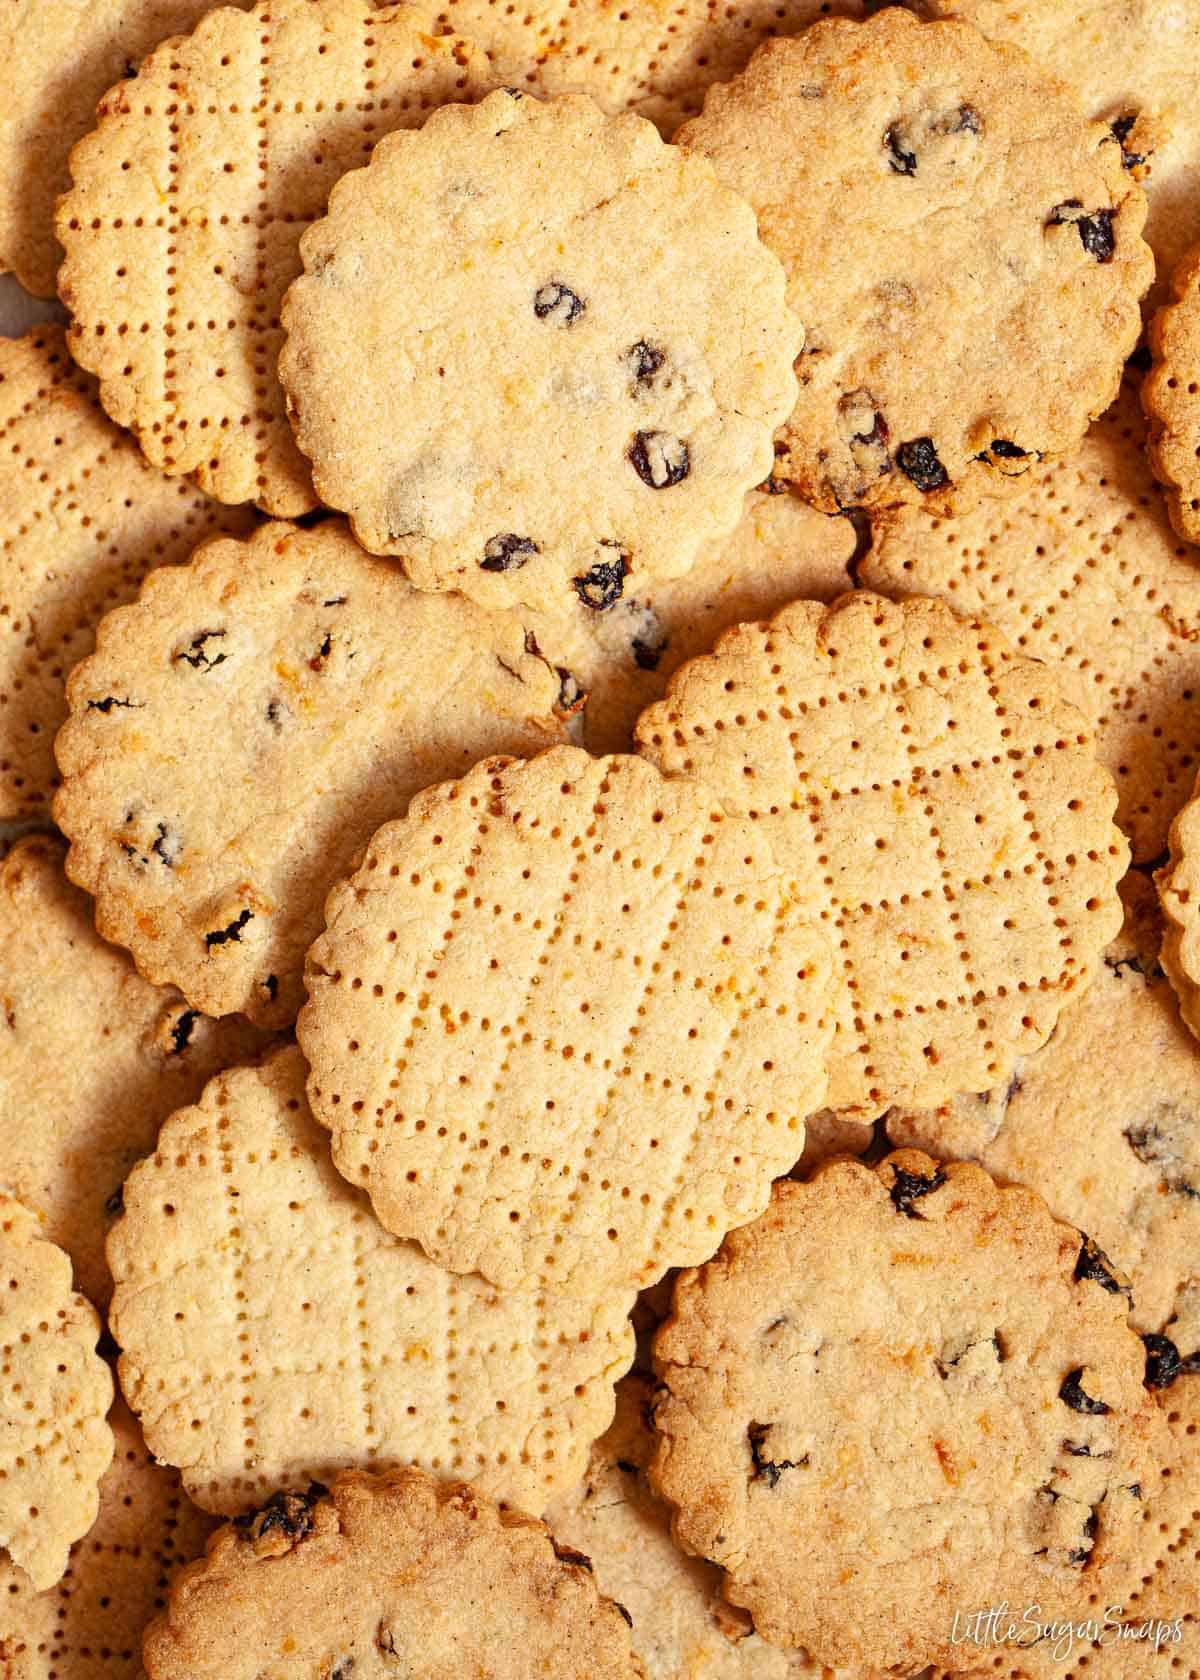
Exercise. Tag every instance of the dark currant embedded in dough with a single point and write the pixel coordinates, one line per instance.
(1008, 457)
(181, 1032)
(1094, 1266)
(644, 361)
(1161, 1143)
(601, 586)
(568, 1554)
(572, 696)
(900, 160)
(966, 120)
(1071, 1393)
(1095, 228)
(1163, 1363)
(768, 1470)
(507, 552)
(343, 1669)
(773, 486)
(199, 654)
(231, 934)
(557, 304)
(918, 461)
(647, 654)
(1122, 128)
(1080, 1554)
(317, 662)
(659, 459)
(287, 1514)
(111, 703)
(908, 1188)
(166, 846)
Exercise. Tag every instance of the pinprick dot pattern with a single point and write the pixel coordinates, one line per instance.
(90, 1627)
(182, 228)
(273, 1333)
(941, 806)
(1078, 566)
(86, 518)
(319, 691)
(54, 1392)
(565, 1023)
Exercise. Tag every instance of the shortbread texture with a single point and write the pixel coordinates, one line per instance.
(941, 805)
(963, 249)
(1001, 1450)
(568, 351)
(182, 226)
(1171, 395)
(565, 1023)
(54, 1442)
(246, 725)
(1179, 895)
(370, 1355)
(384, 1574)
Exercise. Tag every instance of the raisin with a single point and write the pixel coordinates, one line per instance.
(572, 696)
(968, 121)
(1080, 1554)
(196, 653)
(773, 486)
(111, 703)
(767, 1469)
(909, 1187)
(274, 713)
(317, 662)
(231, 934)
(166, 847)
(507, 552)
(342, 1669)
(289, 1514)
(644, 360)
(1072, 1395)
(568, 1554)
(181, 1032)
(336, 601)
(900, 160)
(1094, 1266)
(646, 655)
(918, 461)
(1122, 128)
(1095, 229)
(116, 1202)
(659, 459)
(1163, 1363)
(557, 303)
(602, 586)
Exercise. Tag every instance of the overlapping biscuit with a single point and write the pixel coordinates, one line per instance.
(1112, 1143)
(941, 807)
(617, 662)
(246, 725)
(567, 346)
(1134, 65)
(1179, 896)
(566, 1021)
(182, 228)
(981, 312)
(90, 1627)
(92, 1059)
(273, 1333)
(85, 520)
(385, 1575)
(54, 1442)
(1079, 567)
(1171, 395)
(895, 1396)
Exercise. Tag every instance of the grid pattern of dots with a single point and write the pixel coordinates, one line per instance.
(566, 1023)
(183, 226)
(655, 60)
(90, 1626)
(319, 691)
(941, 806)
(86, 519)
(54, 1392)
(1078, 566)
(273, 1332)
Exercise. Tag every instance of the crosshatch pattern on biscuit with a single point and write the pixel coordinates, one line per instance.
(565, 1022)
(86, 519)
(941, 807)
(182, 229)
(273, 1333)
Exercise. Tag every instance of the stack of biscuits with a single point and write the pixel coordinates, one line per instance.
(600, 909)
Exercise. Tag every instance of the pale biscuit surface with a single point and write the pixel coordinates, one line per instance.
(385, 1576)
(92, 1059)
(70, 52)
(567, 347)
(317, 690)
(1171, 394)
(274, 1333)
(54, 1442)
(984, 306)
(1079, 566)
(892, 1397)
(90, 1627)
(182, 228)
(565, 1023)
(1179, 895)
(940, 804)
(85, 519)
